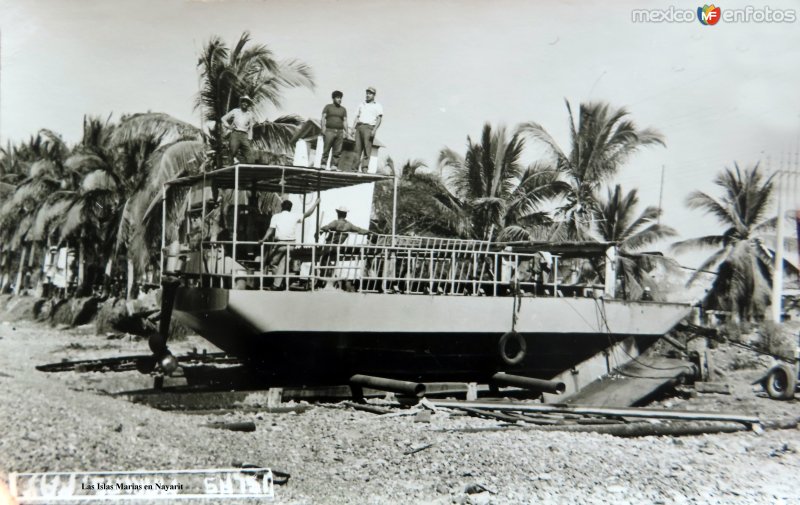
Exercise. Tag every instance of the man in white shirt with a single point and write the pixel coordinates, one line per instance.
(368, 119)
(283, 228)
(240, 121)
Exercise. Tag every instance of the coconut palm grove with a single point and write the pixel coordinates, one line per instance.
(98, 199)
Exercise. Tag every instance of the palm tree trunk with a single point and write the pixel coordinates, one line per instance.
(81, 261)
(107, 276)
(131, 274)
(32, 255)
(18, 284)
(5, 263)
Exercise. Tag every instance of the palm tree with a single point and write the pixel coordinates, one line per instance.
(500, 193)
(743, 262)
(424, 204)
(617, 222)
(12, 166)
(13, 169)
(252, 70)
(112, 163)
(601, 140)
(144, 144)
(43, 157)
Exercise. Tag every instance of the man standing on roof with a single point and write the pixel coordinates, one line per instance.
(283, 227)
(240, 121)
(367, 121)
(334, 129)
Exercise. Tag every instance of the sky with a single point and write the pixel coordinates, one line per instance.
(718, 94)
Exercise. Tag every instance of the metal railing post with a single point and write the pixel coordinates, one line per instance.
(555, 276)
(430, 274)
(235, 217)
(312, 276)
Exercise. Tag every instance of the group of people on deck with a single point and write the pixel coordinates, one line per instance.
(283, 230)
(333, 125)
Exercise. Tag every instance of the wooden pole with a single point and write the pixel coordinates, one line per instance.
(18, 284)
(777, 276)
(661, 195)
(394, 211)
(600, 411)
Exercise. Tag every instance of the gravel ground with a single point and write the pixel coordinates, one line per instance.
(68, 422)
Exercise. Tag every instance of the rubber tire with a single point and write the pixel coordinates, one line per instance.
(781, 382)
(502, 347)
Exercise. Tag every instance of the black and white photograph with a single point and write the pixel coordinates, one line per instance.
(399, 252)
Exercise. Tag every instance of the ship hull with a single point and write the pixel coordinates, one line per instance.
(324, 337)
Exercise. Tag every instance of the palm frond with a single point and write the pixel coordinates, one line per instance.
(50, 213)
(698, 243)
(153, 125)
(277, 135)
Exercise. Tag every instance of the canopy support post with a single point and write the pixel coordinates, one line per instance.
(394, 210)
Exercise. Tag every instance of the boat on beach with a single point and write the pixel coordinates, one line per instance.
(420, 309)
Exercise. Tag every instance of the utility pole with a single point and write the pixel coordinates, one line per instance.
(1, 89)
(661, 195)
(777, 272)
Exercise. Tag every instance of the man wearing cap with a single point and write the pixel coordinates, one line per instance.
(240, 121)
(334, 129)
(367, 121)
(342, 225)
(337, 233)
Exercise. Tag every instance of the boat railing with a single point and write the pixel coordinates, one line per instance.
(378, 264)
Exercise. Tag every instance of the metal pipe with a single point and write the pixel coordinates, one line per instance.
(674, 342)
(600, 411)
(395, 386)
(540, 385)
(235, 222)
(303, 222)
(163, 226)
(394, 211)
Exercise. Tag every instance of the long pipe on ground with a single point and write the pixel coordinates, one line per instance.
(640, 429)
(395, 386)
(600, 411)
(540, 385)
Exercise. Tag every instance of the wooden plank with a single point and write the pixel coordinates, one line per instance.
(598, 411)
(712, 387)
(632, 384)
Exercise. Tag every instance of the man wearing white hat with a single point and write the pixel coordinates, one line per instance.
(342, 225)
(368, 119)
(240, 121)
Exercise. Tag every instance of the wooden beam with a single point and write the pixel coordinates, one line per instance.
(599, 411)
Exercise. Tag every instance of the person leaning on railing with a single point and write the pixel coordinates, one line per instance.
(283, 229)
(342, 225)
(337, 231)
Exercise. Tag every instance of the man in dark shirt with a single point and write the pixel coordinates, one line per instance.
(334, 129)
(337, 233)
(342, 225)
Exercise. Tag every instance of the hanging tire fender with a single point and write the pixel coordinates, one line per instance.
(512, 348)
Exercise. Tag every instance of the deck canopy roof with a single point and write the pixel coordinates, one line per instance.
(280, 178)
